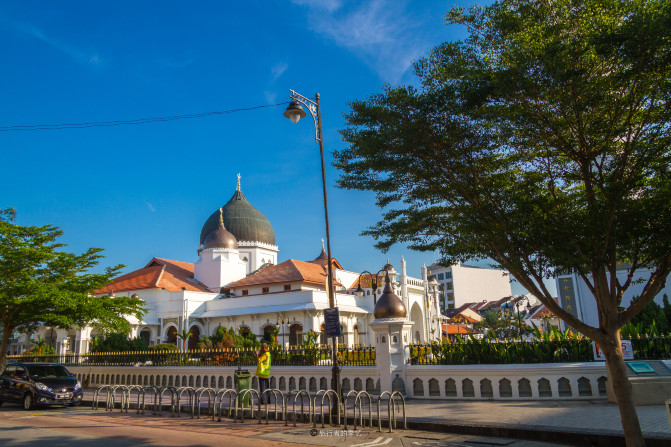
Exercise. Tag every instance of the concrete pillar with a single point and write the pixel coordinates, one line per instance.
(390, 338)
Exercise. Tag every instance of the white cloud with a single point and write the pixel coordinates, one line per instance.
(271, 97)
(79, 55)
(278, 69)
(327, 5)
(381, 32)
(151, 207)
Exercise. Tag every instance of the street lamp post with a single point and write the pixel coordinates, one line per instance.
(373, 282)
(283, 320)
(295, 112)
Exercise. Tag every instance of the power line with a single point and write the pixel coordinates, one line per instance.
(133, 121)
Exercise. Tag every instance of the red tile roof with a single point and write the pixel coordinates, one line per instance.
(456, 329)
(287, 271)
(366, 282)
(462, 318)
(543, 312)
(159, 273)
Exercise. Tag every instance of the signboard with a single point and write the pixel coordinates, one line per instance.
(332, 322)
(627, 351)
(641, 367)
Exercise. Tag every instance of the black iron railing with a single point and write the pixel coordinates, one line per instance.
(314, 356)
(534, 351)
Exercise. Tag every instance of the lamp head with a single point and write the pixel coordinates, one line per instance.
(294, 111)
(359, 290)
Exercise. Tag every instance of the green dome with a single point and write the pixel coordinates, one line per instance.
(241, 219)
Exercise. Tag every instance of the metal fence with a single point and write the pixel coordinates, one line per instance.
(317, 356)
(471, 352)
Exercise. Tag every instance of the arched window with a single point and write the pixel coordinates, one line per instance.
(295, 334)
(356, 338)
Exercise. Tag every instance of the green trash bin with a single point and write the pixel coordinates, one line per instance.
(242, 380)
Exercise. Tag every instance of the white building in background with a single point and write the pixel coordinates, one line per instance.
(237, 282)
(575, 297)
(462, 283)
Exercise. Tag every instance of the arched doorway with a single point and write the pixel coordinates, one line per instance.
(171, 335)
(269, 334)
(295, 334)
(417, 323)
(145, 334)
(195, 337)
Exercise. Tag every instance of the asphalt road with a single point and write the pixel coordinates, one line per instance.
(80, 426)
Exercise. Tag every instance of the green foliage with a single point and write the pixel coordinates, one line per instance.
(163, 347)
(42, 284)
(117, 342)
(540, 141)
(311, 339)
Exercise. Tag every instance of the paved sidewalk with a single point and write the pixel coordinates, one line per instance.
(598, 421)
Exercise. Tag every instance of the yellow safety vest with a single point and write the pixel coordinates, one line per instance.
(263, 367)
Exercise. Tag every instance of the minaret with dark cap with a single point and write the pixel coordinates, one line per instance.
(392, 332)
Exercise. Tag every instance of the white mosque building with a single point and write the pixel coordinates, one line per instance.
(238, 283)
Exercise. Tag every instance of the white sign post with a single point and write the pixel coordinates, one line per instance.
(627, 351)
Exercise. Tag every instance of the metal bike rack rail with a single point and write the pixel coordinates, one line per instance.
(391, 411)
(173, 392)
(275, 393)
(326, 393)
(130, 390)
(96, 396)
(344, 405)
(111, 397)
(241, 399)
(232, 402)
(211, 393)
(296, 394)
(178, 403)
(370, 409)
(155, 390)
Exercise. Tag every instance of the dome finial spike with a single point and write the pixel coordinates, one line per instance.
(322, 244)
(238, 187)
(221, 216)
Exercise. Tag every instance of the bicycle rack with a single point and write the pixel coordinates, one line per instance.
(196, 401)
(350, 393)
(275, 393)
(370, 409)
(130, 390)
(173, 392)
(111, 397)
(300, 393)
(190, 391)
(327, 393)
(155, 390)
(221, 394)
(96, 397)
(391, 411)
(241, 399)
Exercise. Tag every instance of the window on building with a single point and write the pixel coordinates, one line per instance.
(295, 334)
(448, 285)
(245, 292)
(265, 290)
(448, 275)
(450, 297)
(287, 287)
(440, 277)
(450, 305)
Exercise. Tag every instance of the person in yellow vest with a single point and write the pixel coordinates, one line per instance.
(263, 370)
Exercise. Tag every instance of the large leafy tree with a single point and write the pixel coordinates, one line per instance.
(540, 141)
(42, 284)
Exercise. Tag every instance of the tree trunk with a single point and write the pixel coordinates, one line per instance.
(617, 374)
(6, 333)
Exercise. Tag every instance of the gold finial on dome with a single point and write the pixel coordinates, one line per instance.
(221, 215)
(322, 244)
(238, 188)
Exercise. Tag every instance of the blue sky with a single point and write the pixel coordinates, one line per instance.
(145, 190)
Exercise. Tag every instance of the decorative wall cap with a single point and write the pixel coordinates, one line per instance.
(258, 244)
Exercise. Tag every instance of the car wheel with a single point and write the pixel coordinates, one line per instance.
(28, 403)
